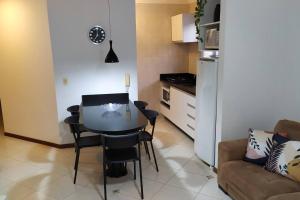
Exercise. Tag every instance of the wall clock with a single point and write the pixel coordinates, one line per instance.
(97, 34)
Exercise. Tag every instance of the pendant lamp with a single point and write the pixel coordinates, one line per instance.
(111, 56)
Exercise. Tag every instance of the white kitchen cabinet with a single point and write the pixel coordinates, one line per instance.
(183, 111)
(183, 28)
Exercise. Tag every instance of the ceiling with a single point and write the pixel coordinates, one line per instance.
(166, 1)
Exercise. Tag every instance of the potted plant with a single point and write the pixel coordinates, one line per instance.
(199, 12)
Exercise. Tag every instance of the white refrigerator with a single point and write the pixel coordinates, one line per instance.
(206, 107)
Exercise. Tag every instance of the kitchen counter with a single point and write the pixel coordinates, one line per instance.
(188, 88)
(182, 81)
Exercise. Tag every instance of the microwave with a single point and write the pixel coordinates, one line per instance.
(212, 39)
(165, 95)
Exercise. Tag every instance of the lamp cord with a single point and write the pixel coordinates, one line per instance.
(108, 2)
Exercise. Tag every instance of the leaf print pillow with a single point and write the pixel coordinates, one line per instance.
(285, 160)
(259, 146)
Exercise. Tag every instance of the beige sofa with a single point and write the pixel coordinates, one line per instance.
(246, 181)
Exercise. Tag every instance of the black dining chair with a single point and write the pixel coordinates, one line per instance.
(80, 142)
(99, 99)
(122, 149)
(141, 105)
(145, 136)
(74, 110)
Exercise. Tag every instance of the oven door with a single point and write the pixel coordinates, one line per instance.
(165, 95)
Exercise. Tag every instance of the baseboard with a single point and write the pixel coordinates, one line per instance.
(58, 146)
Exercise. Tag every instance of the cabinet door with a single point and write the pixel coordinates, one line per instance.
(177, 102)
(183, 111)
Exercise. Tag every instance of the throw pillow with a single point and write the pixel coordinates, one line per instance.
(259, 146)
(284, 159)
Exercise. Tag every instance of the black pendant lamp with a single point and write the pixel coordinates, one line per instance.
(111, 56)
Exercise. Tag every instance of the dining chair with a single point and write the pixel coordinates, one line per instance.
(145, 136)
(99, 99)
(141, 105)
(122, 149)
(80, 142)
(74, 110)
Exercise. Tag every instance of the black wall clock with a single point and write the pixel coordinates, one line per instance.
(97, 34)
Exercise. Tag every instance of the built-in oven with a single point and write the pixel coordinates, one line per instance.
(165, 95)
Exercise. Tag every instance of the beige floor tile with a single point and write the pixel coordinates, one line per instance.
(132, 188)
(188, 181)
(30, 171)
(211, 189)
(205, 197)
(60, 188)
(19, 172)
(196, 166)
(38, 196)
(163, 176)
(174, 193)
(83, 193)
(15, 191)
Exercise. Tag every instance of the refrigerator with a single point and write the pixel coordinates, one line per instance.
(206, 107)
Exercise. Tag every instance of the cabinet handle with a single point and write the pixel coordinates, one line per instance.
(190, 116)
(190, 127)
(191, 106)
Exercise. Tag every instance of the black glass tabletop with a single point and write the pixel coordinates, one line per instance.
(113, 118)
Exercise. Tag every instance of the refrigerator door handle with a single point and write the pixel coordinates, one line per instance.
(208, 59)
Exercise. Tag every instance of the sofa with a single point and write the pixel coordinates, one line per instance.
(246, 181)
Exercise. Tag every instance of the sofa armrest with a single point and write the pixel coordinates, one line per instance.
(289, 196)
(231, 150)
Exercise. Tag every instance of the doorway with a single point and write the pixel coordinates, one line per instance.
(1, 121)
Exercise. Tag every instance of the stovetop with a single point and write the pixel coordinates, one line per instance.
(179, 78)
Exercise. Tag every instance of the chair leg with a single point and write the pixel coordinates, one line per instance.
(104, 178)
(147, 149)
(141, 174)
(76, 164)
(134, 169)
(154, 155)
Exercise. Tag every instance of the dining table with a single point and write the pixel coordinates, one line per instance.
(113, 119)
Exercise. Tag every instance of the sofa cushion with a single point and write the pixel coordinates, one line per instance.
(289, 196)
(254, 181)
(259, 146)
(292, 128)
(285, 160)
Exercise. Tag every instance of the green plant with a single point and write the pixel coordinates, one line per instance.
(199, 12)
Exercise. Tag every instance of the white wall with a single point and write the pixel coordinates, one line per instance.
(260, 64)
(81, 62)
(27, 89)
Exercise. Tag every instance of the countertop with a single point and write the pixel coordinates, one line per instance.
(189, 88)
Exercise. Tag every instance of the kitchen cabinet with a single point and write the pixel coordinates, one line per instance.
(183, 111)
(183, 28)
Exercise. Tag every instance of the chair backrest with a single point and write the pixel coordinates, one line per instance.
(100, 99)
(151, 115)
(120, 141)
(292, 128)
(73, 122)
(74, 110)
(141, 105)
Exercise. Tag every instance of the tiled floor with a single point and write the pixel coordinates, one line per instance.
(30, 171)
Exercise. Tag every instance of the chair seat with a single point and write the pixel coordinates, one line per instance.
(121, 155)
(145, 136)
(90, 141)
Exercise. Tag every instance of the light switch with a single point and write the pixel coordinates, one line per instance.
(65, 81)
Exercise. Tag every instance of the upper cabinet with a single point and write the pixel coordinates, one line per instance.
(183, 28)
